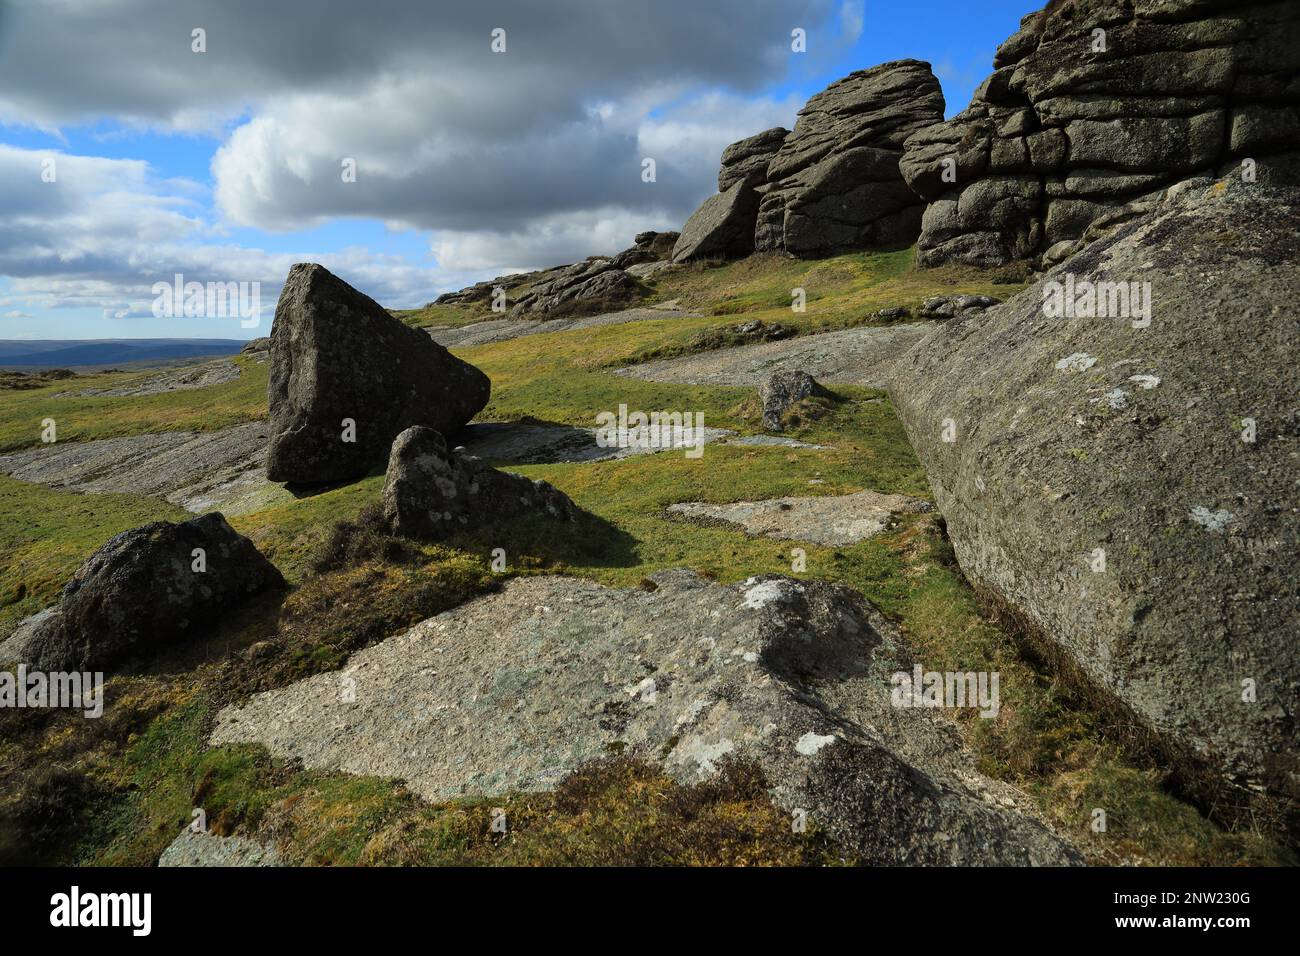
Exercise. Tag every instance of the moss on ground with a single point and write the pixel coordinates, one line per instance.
(613, 812)
(131, 779)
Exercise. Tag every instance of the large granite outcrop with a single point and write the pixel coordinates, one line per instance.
(1075, 124)
(1127, 485)
(338, 357)
(834, 184)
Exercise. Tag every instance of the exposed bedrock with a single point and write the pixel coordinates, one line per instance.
(1127, 483)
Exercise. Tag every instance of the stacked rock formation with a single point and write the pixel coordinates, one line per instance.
(1094, 105)
(746, 160)
(593, 285)
(835, 185)
(831, 185)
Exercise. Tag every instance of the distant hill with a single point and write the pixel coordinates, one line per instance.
(81, 353)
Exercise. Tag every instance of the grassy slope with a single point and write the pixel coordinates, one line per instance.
(141, 787)
(86, 418)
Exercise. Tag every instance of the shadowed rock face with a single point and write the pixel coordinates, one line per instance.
(722, 228)
(834, 184)
(337, 354)
(141, 591)
(1074, 126)
(515, 690)
(1073, 440)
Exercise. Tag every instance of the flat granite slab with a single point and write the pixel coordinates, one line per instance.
(858, 356)
(831, 520)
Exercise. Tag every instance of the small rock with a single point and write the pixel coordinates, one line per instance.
(430, 492)
(1076, 362)
(782, 391)
(1212, 520)
(949, 306)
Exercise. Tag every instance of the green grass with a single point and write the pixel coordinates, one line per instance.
(22, 413)
(143, 770)
(45, 535)
(613, 812)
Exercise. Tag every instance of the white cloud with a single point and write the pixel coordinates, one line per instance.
(509, 161)
(105, 230)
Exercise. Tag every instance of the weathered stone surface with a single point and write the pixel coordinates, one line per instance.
(1181, 89)
(431, 491)
(1078, 436)
(648, 270)
(858, 356)
(722, 228)
(22, 642)
(746, 160)
(522, 443)
(200, 471)
(632, 256)
(649, 248)
(834, 184)
(183, 379)
(338, 355)
(140, 592)
(209, 849)
(830, 520)
(504, 329)
(782, 391)
(658, 244)
(483, 291)
(515, 690)
(584, 288)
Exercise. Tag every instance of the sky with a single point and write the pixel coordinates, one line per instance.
(389, 140)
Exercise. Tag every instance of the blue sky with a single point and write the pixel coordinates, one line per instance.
(220, 165)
